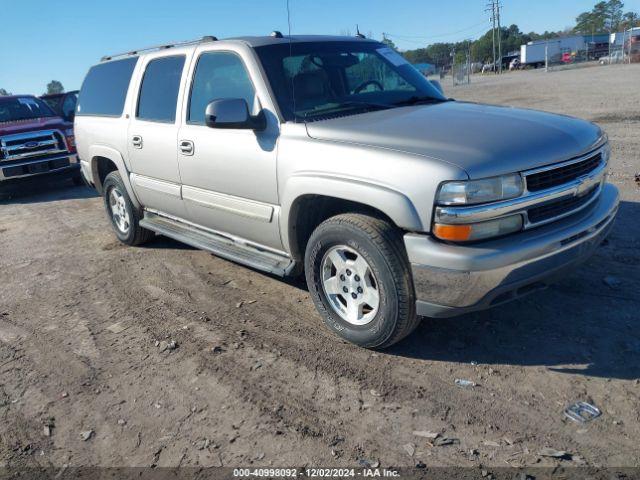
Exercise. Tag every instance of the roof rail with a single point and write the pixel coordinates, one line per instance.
(206, 38)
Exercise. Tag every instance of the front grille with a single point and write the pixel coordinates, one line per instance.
(24, 146)
(561, 175)
(560, 207)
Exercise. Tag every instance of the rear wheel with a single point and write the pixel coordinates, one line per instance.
(359, 278)
(123, 215)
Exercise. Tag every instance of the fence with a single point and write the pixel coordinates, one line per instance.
(461, 73)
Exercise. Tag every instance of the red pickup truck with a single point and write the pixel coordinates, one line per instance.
(34, 141)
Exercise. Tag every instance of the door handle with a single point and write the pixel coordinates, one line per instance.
(186, 147)
(136, 140)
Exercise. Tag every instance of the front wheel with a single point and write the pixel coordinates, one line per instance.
(123, 215)
(360, 281)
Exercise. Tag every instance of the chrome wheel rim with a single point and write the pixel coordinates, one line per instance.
(119, 213)
(350, 285)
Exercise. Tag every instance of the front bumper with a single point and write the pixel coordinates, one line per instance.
(454, 279)
(39, 166)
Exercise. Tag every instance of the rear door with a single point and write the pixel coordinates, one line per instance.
(153, 132)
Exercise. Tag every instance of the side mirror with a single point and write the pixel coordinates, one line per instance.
(233, 113)
(438, 85)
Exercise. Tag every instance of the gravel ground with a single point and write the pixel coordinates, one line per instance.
(255, 378)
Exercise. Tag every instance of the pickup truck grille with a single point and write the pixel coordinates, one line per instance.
(561, 207)
(24, 146)
(564, 174)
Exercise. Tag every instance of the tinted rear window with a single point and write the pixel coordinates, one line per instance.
(105, 88)
(159, 89)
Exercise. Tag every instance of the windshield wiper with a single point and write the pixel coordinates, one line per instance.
(415, 100)
(346, 106)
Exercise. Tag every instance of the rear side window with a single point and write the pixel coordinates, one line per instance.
(159, 89)
(218, 75)
(104, 89)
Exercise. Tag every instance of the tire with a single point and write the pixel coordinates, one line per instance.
(351, 239)
(123, 215)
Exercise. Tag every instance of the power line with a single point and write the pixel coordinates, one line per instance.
(421, 37)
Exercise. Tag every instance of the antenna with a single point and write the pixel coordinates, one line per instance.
(358, 34)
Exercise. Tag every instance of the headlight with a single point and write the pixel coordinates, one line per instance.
(486, 190)
(68, 132)
(478, 231)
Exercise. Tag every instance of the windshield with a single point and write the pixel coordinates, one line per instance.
(23, 108)
(332, 79)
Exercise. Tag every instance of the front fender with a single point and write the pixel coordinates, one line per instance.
(103, 151)
(394, 204)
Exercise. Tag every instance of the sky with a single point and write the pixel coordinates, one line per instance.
(41, 40)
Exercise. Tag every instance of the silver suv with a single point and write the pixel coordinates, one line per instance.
(334, 156)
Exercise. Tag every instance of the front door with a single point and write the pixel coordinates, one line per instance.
(228, 176)
(153, 135)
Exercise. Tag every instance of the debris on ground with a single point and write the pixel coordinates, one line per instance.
(465, 383)
(49, 423)
(364, 463)
(611, 281)
(375, 393)
(202, 444)
(637, 178)
(87, 434)
(167, 346)
(116, 328)
(551, 452)
(122, 421)
(490, 443)
(443, 441)
(410, 448)
(582, 412)
(425, 434)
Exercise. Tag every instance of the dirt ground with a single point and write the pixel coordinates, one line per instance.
(256, 379)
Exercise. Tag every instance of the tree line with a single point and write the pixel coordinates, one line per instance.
(605, 17)
(54, 86)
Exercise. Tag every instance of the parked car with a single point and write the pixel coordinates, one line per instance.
(514, 64)
(34, 141)
(334, 156)
(615, 57)
(64, 104)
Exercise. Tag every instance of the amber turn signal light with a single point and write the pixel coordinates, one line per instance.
(454, 233)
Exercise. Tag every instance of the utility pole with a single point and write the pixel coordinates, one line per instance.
(498, 7)
(492, 7)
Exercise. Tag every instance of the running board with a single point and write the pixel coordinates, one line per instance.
(219, 245)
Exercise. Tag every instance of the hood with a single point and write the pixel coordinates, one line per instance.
(483, 140)
(33, 124)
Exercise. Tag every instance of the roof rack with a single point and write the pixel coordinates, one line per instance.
(206, 38)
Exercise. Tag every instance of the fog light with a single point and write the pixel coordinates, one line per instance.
(478, 231)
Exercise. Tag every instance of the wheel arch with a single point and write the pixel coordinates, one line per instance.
(309, 200)
(103, 161)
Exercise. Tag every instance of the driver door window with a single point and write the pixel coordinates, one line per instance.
(218, 75)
